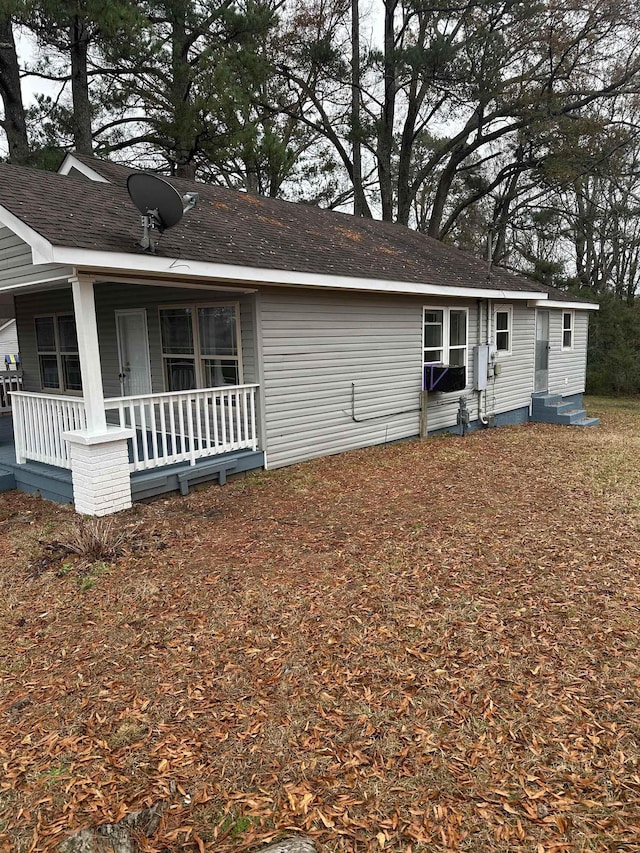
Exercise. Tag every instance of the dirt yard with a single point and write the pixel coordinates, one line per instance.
(426, 646)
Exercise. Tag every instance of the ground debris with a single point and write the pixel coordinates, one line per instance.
(373, 651)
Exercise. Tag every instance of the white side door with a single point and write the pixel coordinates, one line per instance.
(133, 352)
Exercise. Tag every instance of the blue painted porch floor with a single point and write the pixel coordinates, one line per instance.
(55, 483)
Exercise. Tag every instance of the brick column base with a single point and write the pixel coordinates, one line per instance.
(100, 471)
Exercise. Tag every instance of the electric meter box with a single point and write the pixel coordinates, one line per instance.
(480, 367)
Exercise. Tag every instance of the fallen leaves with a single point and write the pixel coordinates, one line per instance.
(371, 649)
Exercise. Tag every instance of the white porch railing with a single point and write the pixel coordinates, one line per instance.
(38, 423)
(10, 381)
(181, 426)
(184, 426)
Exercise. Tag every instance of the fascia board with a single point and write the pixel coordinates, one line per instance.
(556, 303)
(70, 162)
(98, 261)
(41, 248)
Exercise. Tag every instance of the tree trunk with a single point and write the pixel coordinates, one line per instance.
(182, 123)
(360, 206)
(14, 123)
(442, 192)
(79, 45)
(385, 126)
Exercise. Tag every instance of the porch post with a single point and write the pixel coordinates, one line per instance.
(99, 454)
(87, 330)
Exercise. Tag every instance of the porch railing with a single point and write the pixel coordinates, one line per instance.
(181, 426)
(38, 423)
(10, 381)
(184, 426)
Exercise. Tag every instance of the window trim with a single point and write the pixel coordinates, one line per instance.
(505, 309)
(571, 329)
(58, 352)
(197, 354)
(446, 338)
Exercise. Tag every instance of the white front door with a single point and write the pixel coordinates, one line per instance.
(133, 352)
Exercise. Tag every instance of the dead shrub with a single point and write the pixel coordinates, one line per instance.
(95, 539)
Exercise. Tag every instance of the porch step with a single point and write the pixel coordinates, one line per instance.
(552, 409)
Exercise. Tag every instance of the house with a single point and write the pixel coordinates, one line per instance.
(8, 342)
(260, 333)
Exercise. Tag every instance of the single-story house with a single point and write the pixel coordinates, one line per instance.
(258, 334)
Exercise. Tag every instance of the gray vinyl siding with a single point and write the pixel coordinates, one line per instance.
(8, 342)
(316, 345)
(567, 368)
(117, 297)
(30, 305)
(513, 387)
(16, 263)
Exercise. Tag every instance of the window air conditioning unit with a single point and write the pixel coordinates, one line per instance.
(442, 377)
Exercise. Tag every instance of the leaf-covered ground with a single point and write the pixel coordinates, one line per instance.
(431, 645)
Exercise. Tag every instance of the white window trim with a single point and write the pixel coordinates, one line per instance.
(58, 353)
(197, 355)
(572, 329)
(508, 309)
(446, 328)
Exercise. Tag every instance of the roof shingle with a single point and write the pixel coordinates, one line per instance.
(231, 227)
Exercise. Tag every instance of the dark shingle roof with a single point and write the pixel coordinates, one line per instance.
(230, 227)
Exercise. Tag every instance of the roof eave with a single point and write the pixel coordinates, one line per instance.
(41, 248)
(70, 162)
(558, 303)
(100, 261)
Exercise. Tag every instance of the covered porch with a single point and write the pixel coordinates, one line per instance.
(158, 345)
(178, 440)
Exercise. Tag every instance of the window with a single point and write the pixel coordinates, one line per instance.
(567, 330)
(445, 336)
(200, 346)
(502, 325)
(57, 348)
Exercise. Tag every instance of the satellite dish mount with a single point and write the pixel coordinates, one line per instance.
(160, 205)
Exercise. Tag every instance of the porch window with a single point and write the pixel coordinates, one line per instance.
(200, 346)
(502, 318)
(57, 348)
(445, 336)
(567, 330)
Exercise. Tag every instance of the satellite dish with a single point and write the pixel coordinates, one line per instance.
(160, 204)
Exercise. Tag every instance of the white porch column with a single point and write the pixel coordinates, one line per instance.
(89, 352)
(99, 454)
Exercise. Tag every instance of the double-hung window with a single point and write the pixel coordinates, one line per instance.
(200, 346)
(445, 336)
(57, 348)
(567, 330)
(503, 326)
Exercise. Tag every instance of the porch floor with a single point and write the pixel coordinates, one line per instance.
(55, 484)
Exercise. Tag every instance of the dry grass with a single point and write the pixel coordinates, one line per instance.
(424, 646)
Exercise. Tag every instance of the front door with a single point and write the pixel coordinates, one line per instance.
(133, 352)
(542, 351)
